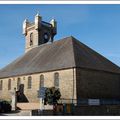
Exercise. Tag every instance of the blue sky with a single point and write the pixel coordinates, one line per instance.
(97, 26)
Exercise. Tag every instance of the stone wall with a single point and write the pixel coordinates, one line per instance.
(73, 84)
(35, 38)
(65, 84)
(97, 84)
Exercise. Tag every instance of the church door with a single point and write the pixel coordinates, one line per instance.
(20, 94)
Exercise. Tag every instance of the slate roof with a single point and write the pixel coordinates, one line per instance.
(65, 53)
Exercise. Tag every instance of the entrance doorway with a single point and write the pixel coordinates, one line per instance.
(20, 96)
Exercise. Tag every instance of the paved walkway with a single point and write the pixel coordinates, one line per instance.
(17, 113)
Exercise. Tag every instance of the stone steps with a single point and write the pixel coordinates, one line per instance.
(28, 106)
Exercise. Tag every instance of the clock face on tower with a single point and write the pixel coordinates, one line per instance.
(46, 37)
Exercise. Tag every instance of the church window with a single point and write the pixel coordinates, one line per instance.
(41, 81)
(9, 84)
(31, 39)
(1, 85)
(29, 82)
(18, 83)
(56, 79)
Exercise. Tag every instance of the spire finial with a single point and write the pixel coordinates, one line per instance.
(53, 18)
(26, 20)
(38, 14)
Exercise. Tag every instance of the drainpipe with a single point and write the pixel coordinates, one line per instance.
(73, 84)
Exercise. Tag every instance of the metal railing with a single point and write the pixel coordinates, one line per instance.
(86, 101)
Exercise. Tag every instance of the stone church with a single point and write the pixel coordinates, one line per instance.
(77, 70)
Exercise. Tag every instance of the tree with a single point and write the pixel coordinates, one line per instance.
(52, 95)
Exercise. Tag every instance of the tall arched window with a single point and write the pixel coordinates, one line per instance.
(1, 84)
(31, 39)
(41, 81)
(9, 84)
(56, 79)
(29, 82)
(18, 83)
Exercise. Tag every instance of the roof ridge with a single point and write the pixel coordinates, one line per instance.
(50, 43)
(72, 38)
(94, 54)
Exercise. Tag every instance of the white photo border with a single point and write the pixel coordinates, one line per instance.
(58, 117)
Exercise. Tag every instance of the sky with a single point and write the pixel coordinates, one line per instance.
(97, 26)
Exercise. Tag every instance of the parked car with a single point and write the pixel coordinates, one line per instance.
(4, 106)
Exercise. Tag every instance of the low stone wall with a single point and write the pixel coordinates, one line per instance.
(102, 110)
(33, 106)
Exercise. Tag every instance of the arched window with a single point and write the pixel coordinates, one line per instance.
(41, 81)
(29, 82)
(1, 85)
(18, 83)
(31, 39)
(9, 84)
(56, 79)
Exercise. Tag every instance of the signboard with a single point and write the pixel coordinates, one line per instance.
(93, 102)
(41, 92)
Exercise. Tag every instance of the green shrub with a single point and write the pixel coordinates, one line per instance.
(5, 106)
(52, 95)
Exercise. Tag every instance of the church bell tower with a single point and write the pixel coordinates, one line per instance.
(38, 32)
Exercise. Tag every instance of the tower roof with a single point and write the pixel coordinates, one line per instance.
(62, 54)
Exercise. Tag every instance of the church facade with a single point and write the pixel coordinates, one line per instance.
(77, 70)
